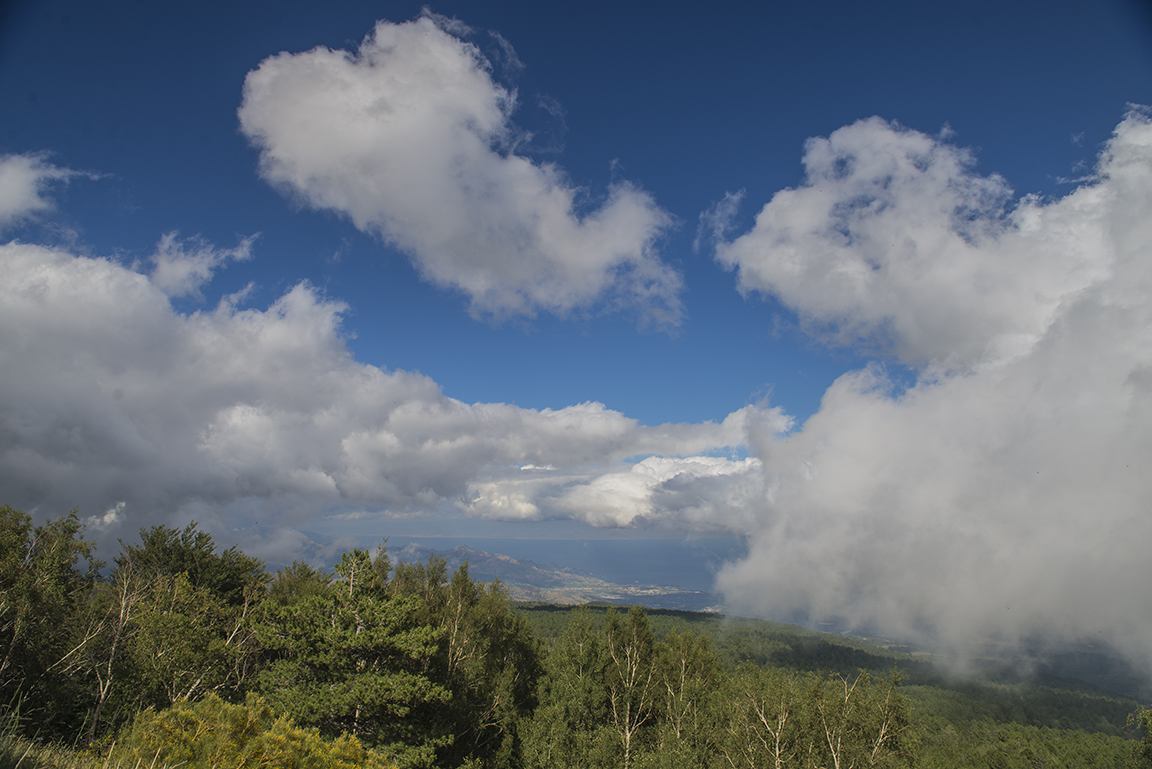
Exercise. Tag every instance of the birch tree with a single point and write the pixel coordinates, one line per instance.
(629, 677)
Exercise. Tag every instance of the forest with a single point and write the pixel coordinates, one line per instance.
(179, 653)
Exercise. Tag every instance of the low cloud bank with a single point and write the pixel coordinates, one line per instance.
(1005, 495)
(112, 401)
(411, 138)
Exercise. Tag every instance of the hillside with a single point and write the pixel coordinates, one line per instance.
(422, 668)
(1000, 696)
(530, 582)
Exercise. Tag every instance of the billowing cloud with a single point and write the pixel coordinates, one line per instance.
(661, 486)
(684, 493)
(894, 243)
(24, 182)
(112, 401)
(1006, 494)
(411, 138)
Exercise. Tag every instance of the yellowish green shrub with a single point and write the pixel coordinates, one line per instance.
(212, 733)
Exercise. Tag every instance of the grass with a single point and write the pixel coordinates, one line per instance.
(206, 734)
(19, 752)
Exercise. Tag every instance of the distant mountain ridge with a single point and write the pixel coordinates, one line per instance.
(527, 580)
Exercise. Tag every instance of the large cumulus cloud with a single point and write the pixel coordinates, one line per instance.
(113, 401)
(893, 243)
(1005, 494)
(410, 137)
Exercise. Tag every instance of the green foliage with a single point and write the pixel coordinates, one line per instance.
(349, 657)
(185, 642)
(297, 582)
(630, 680)
(862, 721)
(1016, 746)
(17, 752)
(1039, 701)
(165, 551)
(613, 696)
(172, 623)
(569, 729)
(1025, 703)
(1142, 752)
(768, 718)
(795, 719)
(737, 640)
(689, 699)
(487, 658)
(421, 667)
(362, 575)
(15, 749)
(212, 733)
(103, 661)
(46, 574)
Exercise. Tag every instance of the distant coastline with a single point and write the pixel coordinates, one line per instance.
(689, 564)
(528, 580)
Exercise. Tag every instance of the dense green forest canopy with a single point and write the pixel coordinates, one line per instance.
(184, 654)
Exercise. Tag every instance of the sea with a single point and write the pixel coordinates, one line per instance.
(689, 564)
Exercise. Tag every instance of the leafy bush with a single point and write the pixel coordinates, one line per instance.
(213, 733)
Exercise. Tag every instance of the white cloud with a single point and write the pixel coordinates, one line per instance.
(680, 493)
(408, 137)
(715, 223)
(112, 516)
(1006, 494)
(892, 242)
(111, 400)
(667, 487)
(24, 180)
(182, 268)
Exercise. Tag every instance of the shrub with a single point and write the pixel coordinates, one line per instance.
(213, 733)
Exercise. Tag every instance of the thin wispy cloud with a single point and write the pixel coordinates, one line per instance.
(181, 268)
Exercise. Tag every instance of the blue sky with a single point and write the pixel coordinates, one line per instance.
(834, 278)
(688, 105)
